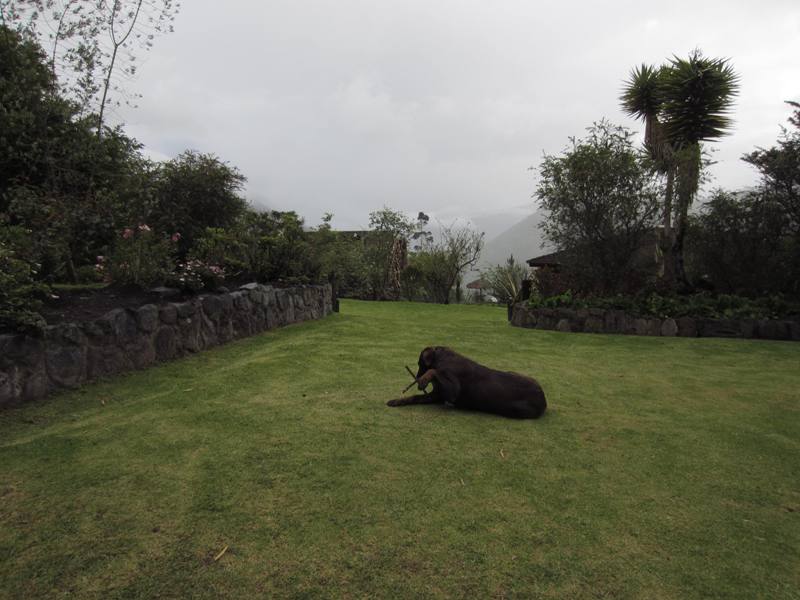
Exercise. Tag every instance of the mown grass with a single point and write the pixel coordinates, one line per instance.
(664, 468)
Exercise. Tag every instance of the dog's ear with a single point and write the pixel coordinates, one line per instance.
(428, 356)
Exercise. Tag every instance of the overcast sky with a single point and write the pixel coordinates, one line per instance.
(435, 105)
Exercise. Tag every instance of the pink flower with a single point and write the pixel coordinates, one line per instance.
(100, 259)
(144, 228)
(175, 237)
(127, 233)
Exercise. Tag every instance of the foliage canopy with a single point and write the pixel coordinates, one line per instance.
(601, 201)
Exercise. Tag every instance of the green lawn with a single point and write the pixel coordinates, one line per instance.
(664, 468)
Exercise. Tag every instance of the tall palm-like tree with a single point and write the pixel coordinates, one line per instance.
(682, 103)
(697, 95)
(641, 98)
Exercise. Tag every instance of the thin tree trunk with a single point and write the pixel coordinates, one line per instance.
(57, 36)
(117, 45)
(105, 93)
(667, 238)
(670, 191)
(688, 175)
(680, 264)
(72, 274)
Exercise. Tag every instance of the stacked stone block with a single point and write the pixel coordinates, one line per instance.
(69, 354)
(596, 320)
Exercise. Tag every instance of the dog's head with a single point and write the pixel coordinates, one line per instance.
(427, 360)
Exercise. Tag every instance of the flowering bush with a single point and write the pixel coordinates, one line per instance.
(195, 275)
(140, 257)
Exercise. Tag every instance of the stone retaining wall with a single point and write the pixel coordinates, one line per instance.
(597, 320)
(70, 354)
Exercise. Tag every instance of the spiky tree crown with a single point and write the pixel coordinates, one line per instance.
(640, 94)
(691, 98)
(697, 96)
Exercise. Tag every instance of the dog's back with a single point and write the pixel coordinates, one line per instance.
(500, 392)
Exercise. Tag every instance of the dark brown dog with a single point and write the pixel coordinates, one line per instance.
(463, 383)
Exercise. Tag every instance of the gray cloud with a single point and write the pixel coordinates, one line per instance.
(438, 106)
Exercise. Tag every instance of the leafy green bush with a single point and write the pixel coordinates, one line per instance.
(564, 299)
(342, 259)
(412, 282)
(743, 243)
(275, 247)
(195, 191)
(140, 257)
(223, 248)
(505, 281)
(19, 291)
(600, 198)
(88, 274)
(722, 306)
(266, 246)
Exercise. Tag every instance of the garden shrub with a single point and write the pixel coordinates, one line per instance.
(600, 199)
(341, 258)
(743, 243)
(140, 257)
(195, 275)
(195, 191)
(722, 306)
(20, 293)
(277, 248)
(505, 281)
(222, 248)
(269, 246)
(87, 274)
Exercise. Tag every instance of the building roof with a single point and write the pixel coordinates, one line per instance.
(478, 284)
(553, 259)
(643, 257)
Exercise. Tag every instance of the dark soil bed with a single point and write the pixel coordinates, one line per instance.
(88, 304)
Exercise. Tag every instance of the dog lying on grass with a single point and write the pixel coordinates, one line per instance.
(463, 383)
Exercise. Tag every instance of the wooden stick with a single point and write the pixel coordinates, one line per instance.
(221, 552)
(410, 385)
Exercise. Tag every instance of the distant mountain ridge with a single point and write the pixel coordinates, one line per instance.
(523, 240)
